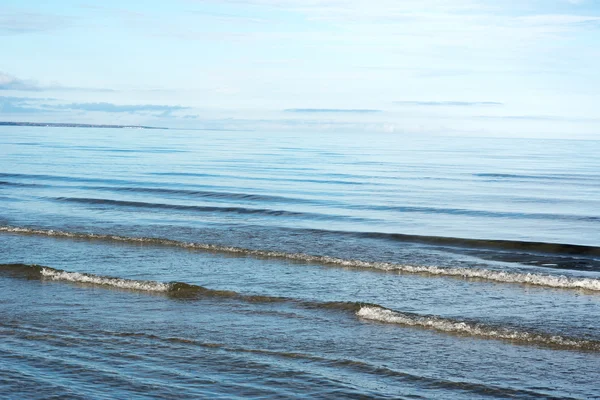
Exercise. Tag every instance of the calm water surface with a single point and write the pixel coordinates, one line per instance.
(202, 264)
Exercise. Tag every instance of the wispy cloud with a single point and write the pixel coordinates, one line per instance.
(11, 82)
(230, 18)
(449, 103)
(332, 110)
(266, 124)
(559, 19)
(537, 118)
(19, 22)
(18, 105)
(163, 110)
(31, 105)
(416, 64)
(113, 11)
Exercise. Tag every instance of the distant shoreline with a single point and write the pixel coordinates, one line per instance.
(71, 125)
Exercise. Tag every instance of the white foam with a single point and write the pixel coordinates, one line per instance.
(544, 280)
(149, 286)
(379, 314)
(553, 281)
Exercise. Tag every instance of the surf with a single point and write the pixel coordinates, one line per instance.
(498, 276)
(363, 311)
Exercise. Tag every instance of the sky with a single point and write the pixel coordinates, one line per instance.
(505, 68)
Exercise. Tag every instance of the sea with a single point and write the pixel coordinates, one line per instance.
(186, 264)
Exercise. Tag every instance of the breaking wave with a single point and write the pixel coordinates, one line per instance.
(542, 280)
(47, 273)
(372, 312)
(380, 314)
(149, 286)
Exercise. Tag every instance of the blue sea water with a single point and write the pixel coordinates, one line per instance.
(218, 264)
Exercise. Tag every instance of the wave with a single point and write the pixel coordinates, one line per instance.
(150, 286)
(128, 151)
(569, 177)
(510, 245)
(128, 185)
(207, 194)
(237, 210)
(125, 337)
(480, 213)
(7, 183)
(173, 289)
(62, 178)
(448, 325)
(48, 273)
(182, 174)
(159, 190)
(372, 312)
(257, 178)
(542, 280)
(282, 199)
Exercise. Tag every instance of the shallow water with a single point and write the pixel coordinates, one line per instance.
(161, 264)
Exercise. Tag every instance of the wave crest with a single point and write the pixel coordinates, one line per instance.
(148, 286)
(379, 314)
(542, 280)
(372, 312)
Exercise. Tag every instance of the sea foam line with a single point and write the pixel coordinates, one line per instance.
(379, 314)
(543, 280)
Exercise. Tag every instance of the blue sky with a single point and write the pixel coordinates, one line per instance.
(469, 67)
